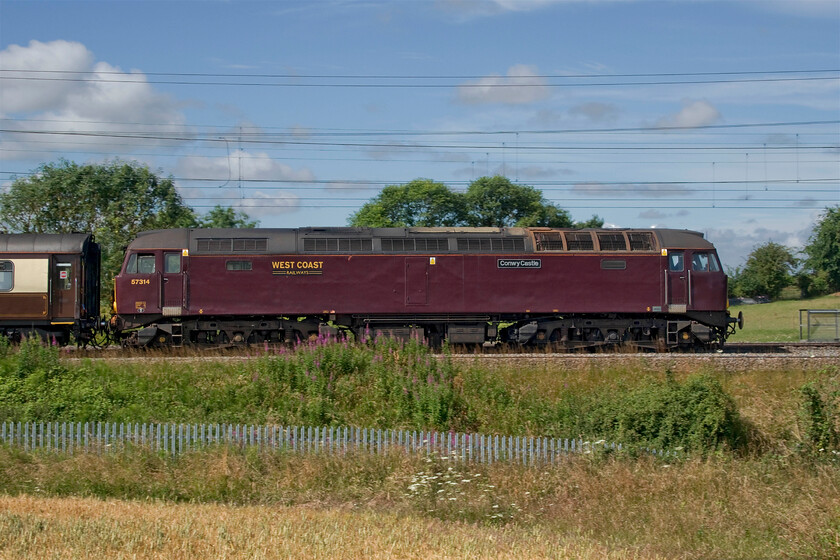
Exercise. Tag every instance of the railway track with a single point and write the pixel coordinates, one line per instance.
(786, 351)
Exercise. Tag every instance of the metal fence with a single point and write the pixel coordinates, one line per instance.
(175, 439)
(819, 325)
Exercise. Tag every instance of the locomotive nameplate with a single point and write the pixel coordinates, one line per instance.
(297, 268)
(519, 263)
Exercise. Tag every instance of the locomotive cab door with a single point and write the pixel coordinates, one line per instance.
(143, 285)
(676, 282)
(706, 282)
(172, 284)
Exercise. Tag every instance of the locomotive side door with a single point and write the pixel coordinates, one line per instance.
(676, 287)
(416, 280)
(172, 284)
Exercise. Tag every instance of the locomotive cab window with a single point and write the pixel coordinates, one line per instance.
(140, 264)
(7, 276)
(675, 261)
(172, 263)
(704, 262)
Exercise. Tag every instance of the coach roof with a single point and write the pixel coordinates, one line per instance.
(44, 242)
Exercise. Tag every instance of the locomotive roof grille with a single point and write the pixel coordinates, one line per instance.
(641, 241)
(580, 241)
(608, 241)
(612, 241)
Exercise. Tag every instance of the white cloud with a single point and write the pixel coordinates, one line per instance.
(653, 215)
(595, 111)
(653, 190)
(253, 171)
(522, 85)
(693, 114)
(40, 92)
(477, 8)
(80, 96)
(804, 8)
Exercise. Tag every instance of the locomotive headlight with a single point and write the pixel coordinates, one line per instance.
(685, 335)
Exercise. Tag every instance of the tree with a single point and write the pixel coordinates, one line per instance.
(114, 201)
(768, 270)
(823, 253)
(421, 202)
(496, 202)
(488, 202)
(226, 217)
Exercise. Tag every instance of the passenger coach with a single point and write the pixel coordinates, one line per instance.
(49, 286)
(575, 288)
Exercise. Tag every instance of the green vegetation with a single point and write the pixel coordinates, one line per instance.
(772, 268)
(382, 384)
(488, 202)
(777, 321)
(760, 478)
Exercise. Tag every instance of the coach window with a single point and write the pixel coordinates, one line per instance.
(140, 264)
(65, 276)
(675, 261)
(172, 263)
(7, 276)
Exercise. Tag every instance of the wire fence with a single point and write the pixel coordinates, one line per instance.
(176, 439)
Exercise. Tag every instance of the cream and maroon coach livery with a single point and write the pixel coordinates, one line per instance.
(49, 286)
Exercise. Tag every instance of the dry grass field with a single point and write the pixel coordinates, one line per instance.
(322, 507)
(45, 528)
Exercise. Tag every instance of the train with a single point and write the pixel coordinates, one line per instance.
(658, 289)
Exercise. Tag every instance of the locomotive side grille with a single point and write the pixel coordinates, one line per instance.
(612, 242)
(490, 244)
(249, 245)
(336, 245)
(232, 245)
(397, 244)
(215, 245)
(434, 244)
(641, 241)
(414, 244)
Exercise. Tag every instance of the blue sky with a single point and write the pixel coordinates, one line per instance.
(709, 115)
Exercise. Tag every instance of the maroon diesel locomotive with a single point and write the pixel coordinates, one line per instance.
(660, 288)
(49, 286)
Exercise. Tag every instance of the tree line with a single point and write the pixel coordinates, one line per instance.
(116, 200)
(771, 267)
